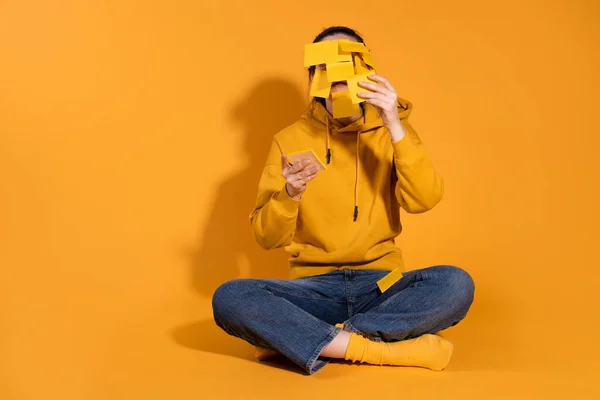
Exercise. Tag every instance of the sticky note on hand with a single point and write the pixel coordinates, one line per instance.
(354, 89)
(309, 155)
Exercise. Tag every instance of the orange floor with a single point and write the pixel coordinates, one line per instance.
(176, 352)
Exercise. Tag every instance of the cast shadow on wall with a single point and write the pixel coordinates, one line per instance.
(228, 249)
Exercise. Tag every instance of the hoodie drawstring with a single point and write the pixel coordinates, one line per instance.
(328, 157)
(356, 176)
(328, 154)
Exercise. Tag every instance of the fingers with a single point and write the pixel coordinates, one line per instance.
(383, 101)
(299, 166)
(378, 96)
(303, 174)
(300, 183)
(383, 81)
(311, 177)
(288, 169)
(374, 87)
(384, 105)
(297, 175)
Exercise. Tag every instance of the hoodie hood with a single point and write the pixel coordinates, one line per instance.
(318, 116)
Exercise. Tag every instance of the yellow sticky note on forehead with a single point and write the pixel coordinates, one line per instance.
(342, 105)
(340, 71)
(316, 53)
(349, 46)
(331, 58)
(320, 86)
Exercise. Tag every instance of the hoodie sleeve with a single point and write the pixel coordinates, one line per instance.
(419, 187)
(273, 219)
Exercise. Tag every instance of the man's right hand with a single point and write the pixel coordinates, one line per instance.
(297, 176)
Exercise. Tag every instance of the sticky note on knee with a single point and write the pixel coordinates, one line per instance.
(388, 281)
(342, 105)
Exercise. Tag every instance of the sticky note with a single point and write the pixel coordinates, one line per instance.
(306, 155)
(340, 71)
(368, 59)
(335, 57)
(320, 86)
(316, 53)
(387, 281)
(343, 106)
(352, 47)
(360, 66)
(354, 89)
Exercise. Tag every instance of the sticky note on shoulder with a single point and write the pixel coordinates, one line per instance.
(320, 86)
(306, 155)
(354, 89)
(343, 106)
(388, 281)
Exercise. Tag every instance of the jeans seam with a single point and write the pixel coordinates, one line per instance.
(311, 361)
(350, 328)
(273, 291)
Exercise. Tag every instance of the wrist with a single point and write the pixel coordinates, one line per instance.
(292, 196)
(397, 131)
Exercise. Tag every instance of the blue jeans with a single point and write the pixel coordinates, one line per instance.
(297, 317)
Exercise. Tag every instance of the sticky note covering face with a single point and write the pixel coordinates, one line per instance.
(349, 46)
(320, 86)
(368, 59)
(353, 87)
(315, 53)
(360, 66)
(340, 71)
(344, 60)
(343, 106)
(338, 57)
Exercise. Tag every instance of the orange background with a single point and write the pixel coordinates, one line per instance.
(132, 138)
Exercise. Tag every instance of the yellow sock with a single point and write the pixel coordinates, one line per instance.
(428, 351)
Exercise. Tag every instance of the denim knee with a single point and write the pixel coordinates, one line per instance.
(459, 285)
(228, 301)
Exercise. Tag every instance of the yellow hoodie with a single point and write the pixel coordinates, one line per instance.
(349, 215)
